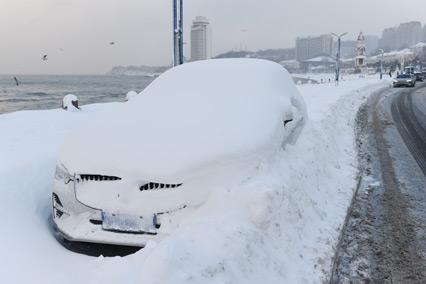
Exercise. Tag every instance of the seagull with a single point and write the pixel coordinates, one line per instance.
(44, 57)
(16, 81)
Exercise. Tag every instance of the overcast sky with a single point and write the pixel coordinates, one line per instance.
(75, 33)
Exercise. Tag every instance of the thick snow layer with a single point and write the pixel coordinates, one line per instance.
(190, 118)
(278, 225)
(202, 124)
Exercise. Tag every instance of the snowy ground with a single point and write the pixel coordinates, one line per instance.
(279, 226)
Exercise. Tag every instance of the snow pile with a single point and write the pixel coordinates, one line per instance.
(130, 95)
(277, 226)
(70, 103)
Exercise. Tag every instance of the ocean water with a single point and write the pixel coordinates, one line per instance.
(46, 92)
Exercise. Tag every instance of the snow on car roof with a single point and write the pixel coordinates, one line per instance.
(192, 115)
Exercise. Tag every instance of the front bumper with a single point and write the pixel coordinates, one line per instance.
(403, 84)
(77, 222)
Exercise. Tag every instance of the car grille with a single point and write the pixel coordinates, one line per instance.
(58, 213)
(87, 177)
(156, 186)
(56, 199)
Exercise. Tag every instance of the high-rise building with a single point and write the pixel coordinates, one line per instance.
(388, 41)
(348, 48)
(310, 47)
(201, 42)
(404, 36)
(424, 34)
(371, 43)
(409, 34)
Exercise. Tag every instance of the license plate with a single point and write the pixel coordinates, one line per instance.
(126, 223)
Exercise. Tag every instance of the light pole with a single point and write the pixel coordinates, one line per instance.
(381, 63)
(339, 43)
(177, 32)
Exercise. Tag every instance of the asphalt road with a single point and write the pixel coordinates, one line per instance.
(384, 238)
(409, 119)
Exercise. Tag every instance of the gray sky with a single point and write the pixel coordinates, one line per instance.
(76, 33)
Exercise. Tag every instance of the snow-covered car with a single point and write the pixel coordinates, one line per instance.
(136, 171)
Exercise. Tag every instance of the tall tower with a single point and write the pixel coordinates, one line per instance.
(361, 54)
(201, 42)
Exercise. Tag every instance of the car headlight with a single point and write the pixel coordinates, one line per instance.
(409, 81)
(62, 174)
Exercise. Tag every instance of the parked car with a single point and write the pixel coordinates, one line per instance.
(133, 173)
(419, 76)
(404, 80)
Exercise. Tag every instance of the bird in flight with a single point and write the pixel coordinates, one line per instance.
(44, 57)
(16, 81)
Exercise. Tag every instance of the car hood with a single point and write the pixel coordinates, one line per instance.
(192, 118)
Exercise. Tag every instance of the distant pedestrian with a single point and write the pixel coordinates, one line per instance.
(390, 74)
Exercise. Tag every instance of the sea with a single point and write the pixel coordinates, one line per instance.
(36, 92)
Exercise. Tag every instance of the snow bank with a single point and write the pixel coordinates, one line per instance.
(277, 226)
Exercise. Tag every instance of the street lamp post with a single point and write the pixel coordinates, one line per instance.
(381, 63)
(339, 43)
(177, 32)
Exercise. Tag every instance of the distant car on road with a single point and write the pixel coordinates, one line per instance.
(419, 76)
(135, 172)
(404, 80)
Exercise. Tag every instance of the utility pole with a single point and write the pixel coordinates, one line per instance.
(381, 63)
(339, 43)
(177, 32)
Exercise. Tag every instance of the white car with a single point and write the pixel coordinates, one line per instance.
(135, 172)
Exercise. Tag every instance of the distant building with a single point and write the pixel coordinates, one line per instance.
(409, 34)
(201, 41)
(319, 64)
(371, 44)
(388, 41)
(310, 47)
(424, 34)
(361, 54)
(404, 36)
(348, 48)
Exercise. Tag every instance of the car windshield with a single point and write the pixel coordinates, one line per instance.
(404, 76)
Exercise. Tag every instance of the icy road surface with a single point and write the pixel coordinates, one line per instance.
(385, 237)
(278, 226)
